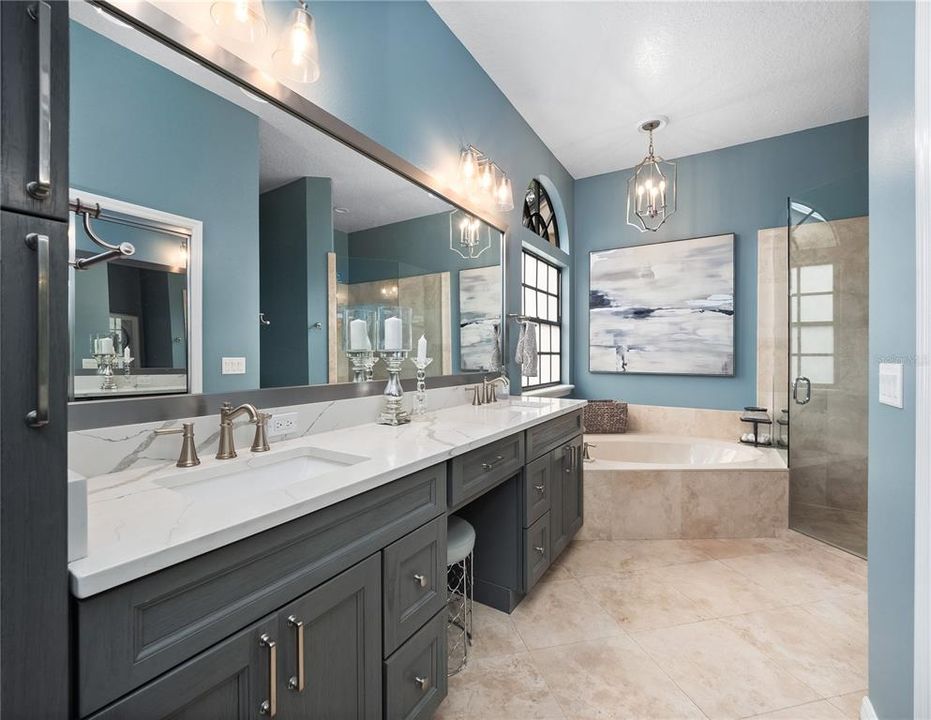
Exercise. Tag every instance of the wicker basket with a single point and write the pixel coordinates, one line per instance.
(605, 417)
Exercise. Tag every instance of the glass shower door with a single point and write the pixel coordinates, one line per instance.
(828, 288)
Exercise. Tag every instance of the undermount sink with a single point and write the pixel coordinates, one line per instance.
(255, 472)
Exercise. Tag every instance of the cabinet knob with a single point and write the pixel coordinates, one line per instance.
(539, 488)
(421, 580)
(540, 549)
(422, 682)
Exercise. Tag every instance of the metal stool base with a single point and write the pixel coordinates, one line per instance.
(460, 588)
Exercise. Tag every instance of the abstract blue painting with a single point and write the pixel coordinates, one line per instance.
(665, 308)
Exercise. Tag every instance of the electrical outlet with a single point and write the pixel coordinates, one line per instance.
(234, 366)
(282, 424)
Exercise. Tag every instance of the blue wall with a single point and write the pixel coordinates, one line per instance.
(738, 190)
(142, 134)
(891, 519)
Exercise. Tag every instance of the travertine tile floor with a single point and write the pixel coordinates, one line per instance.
(669, 629)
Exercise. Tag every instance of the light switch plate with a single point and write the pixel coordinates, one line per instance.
(234, 366)
(891, 384)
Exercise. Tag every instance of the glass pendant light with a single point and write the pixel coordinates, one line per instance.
(298, 55)
(651, 189)
(242, 20)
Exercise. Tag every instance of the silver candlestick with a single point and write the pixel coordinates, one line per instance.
(363, 364)
(105, 363)
(393, 413)
(420, 399)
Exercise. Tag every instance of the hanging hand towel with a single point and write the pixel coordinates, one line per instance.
(519, 352)
(528, 350)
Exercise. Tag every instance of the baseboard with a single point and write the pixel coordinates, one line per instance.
(866, 710)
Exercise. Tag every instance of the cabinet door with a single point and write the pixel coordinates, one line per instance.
(560, 472)
(34, 105)
(233, 680)
(330, 659)
(33, 467)
(572, 508)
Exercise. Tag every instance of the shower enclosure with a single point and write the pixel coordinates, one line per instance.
(826, 308)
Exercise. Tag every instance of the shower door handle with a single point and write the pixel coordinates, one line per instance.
(795, 393)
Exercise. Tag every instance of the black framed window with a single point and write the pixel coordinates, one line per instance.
(539, 215)
(541, 303)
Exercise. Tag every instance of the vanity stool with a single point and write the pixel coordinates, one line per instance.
(460, 584)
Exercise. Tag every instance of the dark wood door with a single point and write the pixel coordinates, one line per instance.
(33, 468)
(34, 107)
(338, 628)
(234, 680)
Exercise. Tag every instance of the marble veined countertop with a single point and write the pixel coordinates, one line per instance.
(142, 520)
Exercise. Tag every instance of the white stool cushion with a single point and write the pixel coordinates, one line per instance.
(460, 539)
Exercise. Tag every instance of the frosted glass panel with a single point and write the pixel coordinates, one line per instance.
(554, 283)
(793, 308)
(545, 370)
(554, 309)
(819, 370)
(816, 308)
(816, 278)
(817, 339)
(544, 345)
(530, 302)
(556, 372)
(530, 269)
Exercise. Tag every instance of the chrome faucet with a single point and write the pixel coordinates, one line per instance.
(228, 413)
(586, 455)
(188, 457)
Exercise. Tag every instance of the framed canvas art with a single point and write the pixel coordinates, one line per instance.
(479, 318)
(665, 308)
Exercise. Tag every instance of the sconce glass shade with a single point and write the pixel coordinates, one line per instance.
(469, 237)
(298, 55)
(651, 191)
(469, 169)
(504, 195)
(242, 20)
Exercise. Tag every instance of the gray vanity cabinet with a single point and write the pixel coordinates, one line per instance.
(330, 657)
(230, 681)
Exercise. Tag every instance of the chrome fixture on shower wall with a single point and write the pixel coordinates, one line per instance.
(481, 177)
(297, 56)
(651, 189)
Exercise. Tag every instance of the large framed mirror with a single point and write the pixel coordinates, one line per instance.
(257, 238)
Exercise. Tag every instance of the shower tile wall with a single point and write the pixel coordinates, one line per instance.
(828, 439)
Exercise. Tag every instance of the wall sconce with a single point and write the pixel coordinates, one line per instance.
(297, 56)
(469, 237)
(480, 176)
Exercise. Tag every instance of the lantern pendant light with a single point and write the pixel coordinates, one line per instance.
(298, 55)
(651, 189)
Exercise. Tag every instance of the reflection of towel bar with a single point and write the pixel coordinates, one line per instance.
(518, 317)
(111, 251)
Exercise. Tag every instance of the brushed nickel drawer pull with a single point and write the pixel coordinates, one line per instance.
(423, 682)
(490, 466)
(296, 682)
(270, 707)
(421, 580)
(540, 549)
(41, 187)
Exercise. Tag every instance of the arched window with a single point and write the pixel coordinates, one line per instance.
(539, 215)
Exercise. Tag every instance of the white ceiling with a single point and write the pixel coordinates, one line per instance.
(289, 147)
(584, 74)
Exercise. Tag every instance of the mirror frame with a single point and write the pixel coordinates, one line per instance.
(148, 19)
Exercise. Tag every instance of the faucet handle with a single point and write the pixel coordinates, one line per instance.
(188, 456)
(260, 441)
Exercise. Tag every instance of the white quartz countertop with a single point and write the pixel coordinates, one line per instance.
(138, 525)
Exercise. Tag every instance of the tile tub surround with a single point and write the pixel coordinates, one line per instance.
(690, 422)
(137, 526)
(678, 629)
(638, 500)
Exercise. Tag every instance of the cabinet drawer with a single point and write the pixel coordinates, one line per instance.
(543, 438)
(133, 633)
(415, 676)
(414, 570)
(538, 489)
(536, 551)
(476, 471)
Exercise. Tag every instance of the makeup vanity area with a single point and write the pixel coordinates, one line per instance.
(276, 328)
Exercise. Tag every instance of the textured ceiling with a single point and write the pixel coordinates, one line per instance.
(289, 147)
(583, 74)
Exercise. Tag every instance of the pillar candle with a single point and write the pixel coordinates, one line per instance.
(359, 335)
(393, 334)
